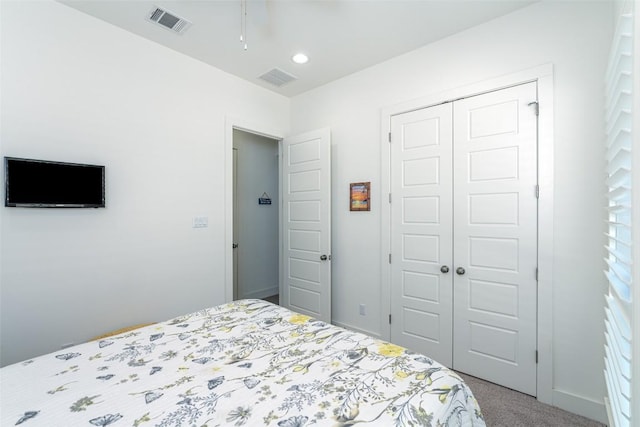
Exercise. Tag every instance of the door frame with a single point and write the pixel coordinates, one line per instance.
(235, 221)
(543, 75)
(230, 124)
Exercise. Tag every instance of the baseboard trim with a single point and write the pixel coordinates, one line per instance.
(580, 405)
(262, 293)
(353, 328)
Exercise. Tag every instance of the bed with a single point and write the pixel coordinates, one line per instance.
(244, 363)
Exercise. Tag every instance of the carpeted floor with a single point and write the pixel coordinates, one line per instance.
(503, 407)
(275, 299)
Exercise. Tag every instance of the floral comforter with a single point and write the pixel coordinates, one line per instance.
(245, 363)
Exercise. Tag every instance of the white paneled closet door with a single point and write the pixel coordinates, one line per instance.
(495, 236)
(421, 226)
(464, 234)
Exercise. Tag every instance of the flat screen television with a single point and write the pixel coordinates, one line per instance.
(47, 184)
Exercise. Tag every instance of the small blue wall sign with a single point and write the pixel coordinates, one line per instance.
(265, 199)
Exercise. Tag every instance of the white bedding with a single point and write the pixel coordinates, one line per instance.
(244, 363)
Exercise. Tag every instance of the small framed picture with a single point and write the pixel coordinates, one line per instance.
(359, 196)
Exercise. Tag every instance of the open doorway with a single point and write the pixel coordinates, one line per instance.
(255, 217)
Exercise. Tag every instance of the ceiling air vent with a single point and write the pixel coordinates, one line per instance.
(277, 77)
(168, 20)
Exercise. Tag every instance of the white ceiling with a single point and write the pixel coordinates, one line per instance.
(340, 36)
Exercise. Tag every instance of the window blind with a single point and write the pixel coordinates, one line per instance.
(619, 249)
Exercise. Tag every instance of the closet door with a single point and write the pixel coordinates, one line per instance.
(421, 219)
(495, 243)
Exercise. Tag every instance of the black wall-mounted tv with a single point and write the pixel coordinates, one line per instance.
(47, 184)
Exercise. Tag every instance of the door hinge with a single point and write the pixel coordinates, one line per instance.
(536, 106)
(537, 191)
(536, 356)
(389, 258)
(389, 197)
(389, 137)
(389, 319)
(536, 274)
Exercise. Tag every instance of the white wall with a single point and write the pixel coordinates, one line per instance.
(258, 224)
(77, 89)
(575, 37)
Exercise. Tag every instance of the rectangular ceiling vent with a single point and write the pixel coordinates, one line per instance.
(277, 77)
(168, 20)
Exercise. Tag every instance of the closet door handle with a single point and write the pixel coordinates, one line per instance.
(444, 269)
(460, 271)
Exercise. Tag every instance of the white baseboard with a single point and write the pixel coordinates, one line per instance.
(581, 405)
(262, 293)
(353, 328)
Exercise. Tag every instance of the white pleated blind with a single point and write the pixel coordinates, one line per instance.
(619, 259)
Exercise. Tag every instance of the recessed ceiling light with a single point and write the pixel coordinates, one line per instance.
(300, 58)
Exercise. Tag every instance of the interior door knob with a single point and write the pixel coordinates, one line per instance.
(460, 271)
(444, 269)
(323, 257)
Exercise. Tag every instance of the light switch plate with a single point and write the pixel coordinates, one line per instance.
(200, 222)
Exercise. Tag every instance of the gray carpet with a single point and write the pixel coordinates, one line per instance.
(275, 299)
(503, 407)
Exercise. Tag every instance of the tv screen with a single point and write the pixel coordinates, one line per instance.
(47, 184)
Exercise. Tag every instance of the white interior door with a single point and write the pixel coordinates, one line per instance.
(495, 236)
(421, 246)
(306, 217)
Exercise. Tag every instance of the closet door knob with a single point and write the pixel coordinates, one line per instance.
(444, 269)
(323, 257)
(460, 271)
